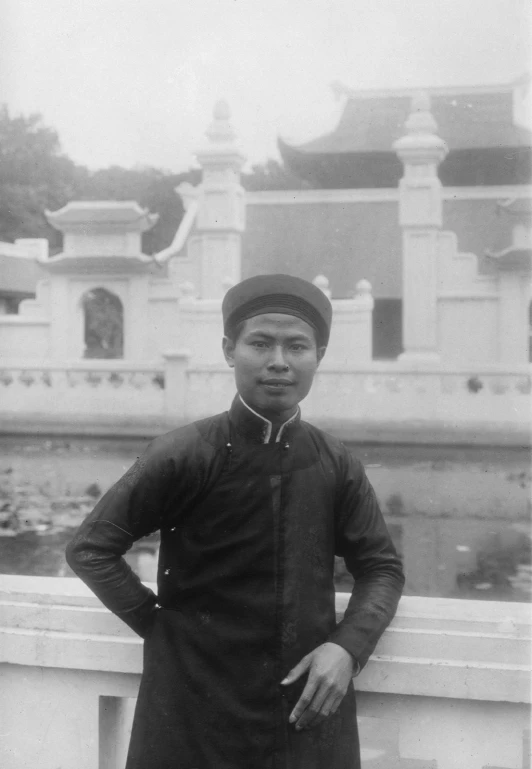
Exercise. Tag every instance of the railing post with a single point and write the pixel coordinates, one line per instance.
(420, 216)
(351, 333)
(175, 383)
(364, 304)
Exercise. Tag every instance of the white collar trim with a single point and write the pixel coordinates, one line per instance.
(269, 425)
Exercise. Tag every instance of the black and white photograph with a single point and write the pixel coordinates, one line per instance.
(265, 384)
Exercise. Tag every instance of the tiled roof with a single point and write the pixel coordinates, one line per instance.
(465, 120)
(99, 212)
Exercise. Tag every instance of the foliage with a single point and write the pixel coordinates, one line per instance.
(151, 188)
(35, 175)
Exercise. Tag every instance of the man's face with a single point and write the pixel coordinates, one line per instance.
(275, 358)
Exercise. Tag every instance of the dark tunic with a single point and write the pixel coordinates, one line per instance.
(249, 531)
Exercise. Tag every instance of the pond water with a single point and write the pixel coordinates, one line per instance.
(460, 517)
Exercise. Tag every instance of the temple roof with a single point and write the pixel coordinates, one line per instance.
(477, 123)
(466, 119)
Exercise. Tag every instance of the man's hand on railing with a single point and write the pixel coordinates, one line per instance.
(330, 669)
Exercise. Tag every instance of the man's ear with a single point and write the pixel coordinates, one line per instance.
(320, 353)
(228, 346)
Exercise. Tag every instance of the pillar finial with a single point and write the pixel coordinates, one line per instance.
(421, 143)
(220, 130)
(421, 120)
(321, 282)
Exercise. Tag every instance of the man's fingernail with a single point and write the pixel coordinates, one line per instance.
(284, 681)
(292, 719)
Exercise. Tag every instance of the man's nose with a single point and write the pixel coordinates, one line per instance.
(277, 361)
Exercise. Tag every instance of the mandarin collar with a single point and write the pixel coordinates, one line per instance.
(256, 427)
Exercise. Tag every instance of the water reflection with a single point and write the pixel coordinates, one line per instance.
(460, 517)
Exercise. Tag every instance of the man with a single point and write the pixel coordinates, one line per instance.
(244, 665)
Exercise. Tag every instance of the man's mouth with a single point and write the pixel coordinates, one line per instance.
(277, 383)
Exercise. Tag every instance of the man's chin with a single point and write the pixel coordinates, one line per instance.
(274, 404)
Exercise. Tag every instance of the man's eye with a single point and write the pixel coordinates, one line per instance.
(259, 345)
(298, 347)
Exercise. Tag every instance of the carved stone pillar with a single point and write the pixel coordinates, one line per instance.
(420, 216)
(216, 244)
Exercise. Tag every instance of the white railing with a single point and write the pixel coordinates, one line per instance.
(447, 686)
(81, 390)
(491, 401)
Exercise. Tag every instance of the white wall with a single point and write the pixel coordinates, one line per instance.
(24, 337)
(448, 682)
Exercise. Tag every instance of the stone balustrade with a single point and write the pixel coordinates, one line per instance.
(473, 404)
(81, 391)
(447, 688)
(397, 401)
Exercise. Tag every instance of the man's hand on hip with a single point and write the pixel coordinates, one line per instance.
(330, 669)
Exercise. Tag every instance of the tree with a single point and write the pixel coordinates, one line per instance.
(34, 175)
(150, 187)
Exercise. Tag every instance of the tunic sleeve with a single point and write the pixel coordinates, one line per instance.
(364, 542)
(133, 508)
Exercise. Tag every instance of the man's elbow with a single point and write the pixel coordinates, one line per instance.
(72, 555)
(80, 556)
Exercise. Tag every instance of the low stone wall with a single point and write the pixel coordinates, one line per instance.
(447, 688)
(379, 401)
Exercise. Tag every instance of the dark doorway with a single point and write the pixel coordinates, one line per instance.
(387, 329)
(104, 324)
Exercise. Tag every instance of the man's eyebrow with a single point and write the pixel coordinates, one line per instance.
(300, 336)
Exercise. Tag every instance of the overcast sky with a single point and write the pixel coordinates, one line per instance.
(133, 81)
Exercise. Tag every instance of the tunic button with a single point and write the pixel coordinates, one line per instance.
(167, 571)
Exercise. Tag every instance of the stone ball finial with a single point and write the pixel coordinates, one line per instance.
(321, 282)
(220, 130)
(221, 110)
(188, 290)
(363, 288)
(421, 119)
(421, 144)
(227, 283)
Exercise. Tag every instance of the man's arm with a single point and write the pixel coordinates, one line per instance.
(131, 509)
(363, 540)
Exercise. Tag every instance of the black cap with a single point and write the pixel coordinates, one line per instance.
(278, 293)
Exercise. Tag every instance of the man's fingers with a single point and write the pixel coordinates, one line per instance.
(325, 702)
(331, 704)
(298, 671)
(312, 713)
(305, 700)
